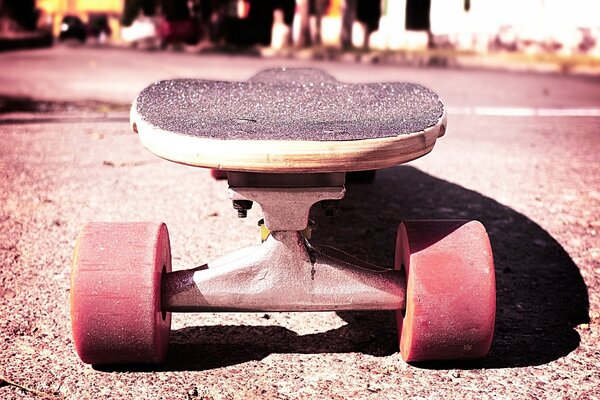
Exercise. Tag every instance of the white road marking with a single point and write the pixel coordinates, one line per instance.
(524, 112)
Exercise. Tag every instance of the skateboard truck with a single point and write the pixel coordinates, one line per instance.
(285, 273)
(442, 287)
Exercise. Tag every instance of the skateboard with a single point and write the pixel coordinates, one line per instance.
(286, 138)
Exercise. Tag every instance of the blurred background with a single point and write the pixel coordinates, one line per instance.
(537, 30)
(520, 155)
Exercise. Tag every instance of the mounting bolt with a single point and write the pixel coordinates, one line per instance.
(242, 207)
(330, 206)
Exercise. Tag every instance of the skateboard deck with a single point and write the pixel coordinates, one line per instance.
(288, 121)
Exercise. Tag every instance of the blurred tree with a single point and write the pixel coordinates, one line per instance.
(175, 10)
(21, 12)
(348, 17)
(149, 7)
(417, 15)
(368, 13)
(261, 21)
(304, 11)
(308, 8)
(133, 8)
(318, 9)
(418, 18)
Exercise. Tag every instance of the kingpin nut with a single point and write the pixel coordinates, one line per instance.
(242, 207)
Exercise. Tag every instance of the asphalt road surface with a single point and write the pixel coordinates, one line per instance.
(521, 154)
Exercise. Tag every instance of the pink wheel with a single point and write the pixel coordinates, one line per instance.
(218, 174)
(116, 311)
(450, 290)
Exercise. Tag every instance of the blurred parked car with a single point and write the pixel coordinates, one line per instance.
(178, 31)
(72, 27)
(98, 27)
(141, 32)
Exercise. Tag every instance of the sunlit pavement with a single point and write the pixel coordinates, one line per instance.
(520, 154)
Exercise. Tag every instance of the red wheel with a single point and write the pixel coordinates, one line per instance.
(218, 174)
(450, 290)
(116, 311)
